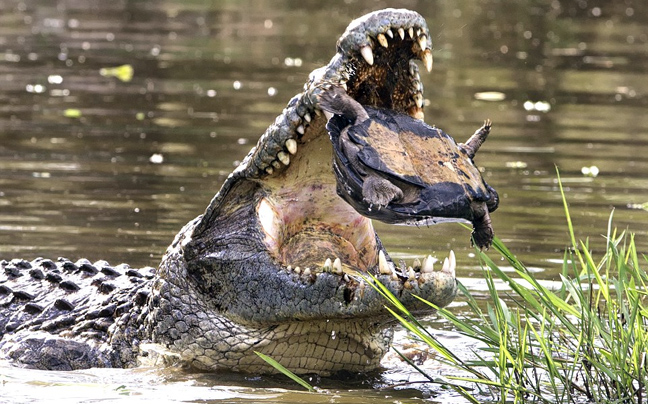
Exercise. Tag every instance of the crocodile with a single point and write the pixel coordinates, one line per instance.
(278, 263)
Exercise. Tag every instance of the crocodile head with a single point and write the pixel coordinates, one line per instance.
(278, 262)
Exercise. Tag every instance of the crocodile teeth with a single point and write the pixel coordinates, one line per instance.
(269, 170)
(382, 40)
(450, 264)
(416, 263)
(418, 98)
(337, 266)
(390, 33)
(383, 267)
(427, 59)
(411, 32)
(300, 129)
(307, 272)
(401, 32)
(276, 164)
(307, 117)
(343, 84)
(297, 270)
(423, 42)
(328, 264)
(367, 54)
(283, 157)
(291, 145)
(428, 264)
(412, 274)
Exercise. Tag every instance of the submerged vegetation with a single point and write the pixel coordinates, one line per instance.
(584, 339)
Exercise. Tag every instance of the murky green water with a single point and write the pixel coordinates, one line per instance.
(565, 83)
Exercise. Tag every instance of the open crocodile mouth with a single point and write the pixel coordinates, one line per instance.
(307, 228)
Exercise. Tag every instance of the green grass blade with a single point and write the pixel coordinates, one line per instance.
(278, 366)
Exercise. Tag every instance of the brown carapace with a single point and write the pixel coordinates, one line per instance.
(397, 169)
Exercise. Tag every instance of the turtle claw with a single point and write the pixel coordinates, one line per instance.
(380, 192)
(482, 234)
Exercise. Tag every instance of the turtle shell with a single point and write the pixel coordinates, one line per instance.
(438, 179)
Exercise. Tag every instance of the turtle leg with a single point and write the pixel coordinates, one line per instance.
(379, 192)
(336, 101)
(482, 234)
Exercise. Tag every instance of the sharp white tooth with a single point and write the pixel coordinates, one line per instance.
(297, 270)
(417, 262)
(289, 268)
(328, 264)
(367, 54)
(382, 40)
(411, 32)
(412, 70)
(346, 278)
(337, 266)
(453, 259)
(411, 274)
(383, 267)
(449, 265)
(307, 271)
(427, 59)
(328, 115)
(418, 32)
(269, 170)
(291, 145)
(401, 32)
(390, 33)
(423, 42)
(276, 164)
(418, 98)
(283, 157)
(300, 129)
(428, 264)
(344, 85)
(307, 117)
(394, 276)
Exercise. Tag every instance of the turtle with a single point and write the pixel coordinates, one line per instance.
(397, 169)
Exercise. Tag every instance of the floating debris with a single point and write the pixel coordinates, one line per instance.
(54, 79)
(35, 88)
(72, 113)
(638, 206)
(156, 158)
(123, 72)
(591, 171)
(516, 164)
(540, 106)
(490, 96)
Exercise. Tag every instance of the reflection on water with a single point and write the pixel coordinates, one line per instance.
(564, 83)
